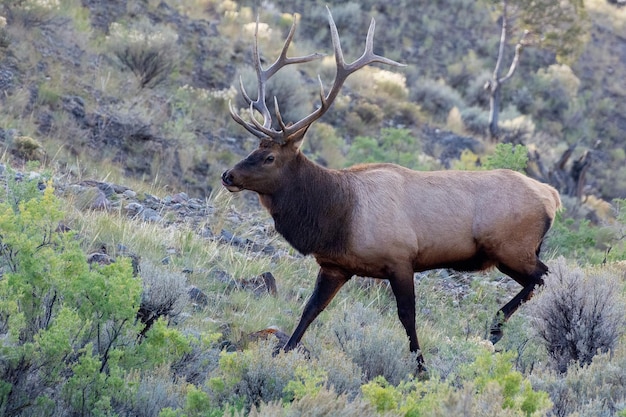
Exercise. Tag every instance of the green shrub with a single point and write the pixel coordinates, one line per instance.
(34, 13)
(517, 392)
(326, 402)
(398, 146)
(253, 376)
(69, 330)
(508, 156)
(491, 387)
(575, 238)
(59, 316)
(306, 382)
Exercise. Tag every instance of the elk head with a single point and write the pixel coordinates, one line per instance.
(269, 165)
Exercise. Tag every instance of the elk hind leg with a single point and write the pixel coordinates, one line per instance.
(528, 281)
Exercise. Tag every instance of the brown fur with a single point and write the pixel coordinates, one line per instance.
(386, 221)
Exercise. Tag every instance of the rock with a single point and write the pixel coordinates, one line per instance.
(133, 209)
(179, 198)
(282, 338)
(448, 146)
(264, 283)
(130, 194)
(99, 258)
(88, 197)
(75, 106)
(151, 215)
(222, 276)
(197, 296)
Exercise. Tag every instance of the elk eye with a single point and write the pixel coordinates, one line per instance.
(269, 159)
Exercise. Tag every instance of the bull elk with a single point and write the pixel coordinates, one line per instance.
(383, 220)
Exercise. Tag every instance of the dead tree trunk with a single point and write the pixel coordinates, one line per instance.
(495, 83)
(569, 179)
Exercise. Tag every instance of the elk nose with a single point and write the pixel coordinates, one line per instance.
(227, 177)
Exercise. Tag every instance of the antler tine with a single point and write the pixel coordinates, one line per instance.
(284, 60)
(369, 56)
(279, 117)
(244, 93)
(342, 72)
(265, 129)
(259, 103)
(248, 126)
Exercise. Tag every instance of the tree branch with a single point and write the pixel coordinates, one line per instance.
(514, 64)
(505, 24)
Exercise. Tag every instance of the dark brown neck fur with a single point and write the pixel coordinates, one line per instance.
(312, 209)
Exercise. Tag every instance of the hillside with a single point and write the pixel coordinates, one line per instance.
(70, 84)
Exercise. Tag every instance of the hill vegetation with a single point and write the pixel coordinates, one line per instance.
(131, 285)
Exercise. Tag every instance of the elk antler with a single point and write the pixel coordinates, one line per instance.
(291, 131)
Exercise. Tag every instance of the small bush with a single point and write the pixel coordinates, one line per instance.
(491, 387)
(148, 50)
(253, 376)
(28, 148)
(475, 120)
(595, 390)
(517, 130)
(323, 403)
(377, 349)
(577, 315)
(163, 294)
(436, 98)
(34, 13)
(508, 156)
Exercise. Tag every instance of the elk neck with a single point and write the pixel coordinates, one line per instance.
(312, 207)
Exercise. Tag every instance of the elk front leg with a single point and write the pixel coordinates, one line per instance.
(329, 281)
(404, 291)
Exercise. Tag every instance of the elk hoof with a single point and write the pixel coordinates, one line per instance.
(495, 335)
(422, 371)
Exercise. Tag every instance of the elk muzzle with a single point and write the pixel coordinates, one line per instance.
(228, 181)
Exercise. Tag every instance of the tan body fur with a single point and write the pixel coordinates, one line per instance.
(433, 219)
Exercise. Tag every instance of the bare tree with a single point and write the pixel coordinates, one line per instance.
(554, 25)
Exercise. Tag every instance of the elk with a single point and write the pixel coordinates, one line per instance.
(382, 220)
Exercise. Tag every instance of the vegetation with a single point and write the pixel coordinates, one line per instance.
(90, 90)
(75, 339)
